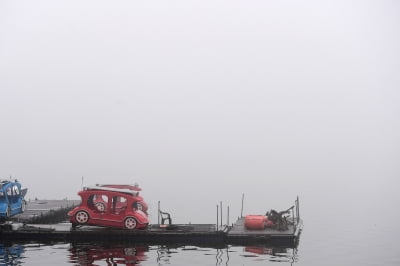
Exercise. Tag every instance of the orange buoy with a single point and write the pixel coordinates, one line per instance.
(255, 222)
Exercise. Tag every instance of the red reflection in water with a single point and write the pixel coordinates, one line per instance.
(87, 255)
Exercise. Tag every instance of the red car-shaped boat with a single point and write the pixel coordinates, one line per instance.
(108, 207)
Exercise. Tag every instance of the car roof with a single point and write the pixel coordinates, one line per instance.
(118, 190)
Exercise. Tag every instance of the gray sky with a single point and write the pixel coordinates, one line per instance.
(201, 102)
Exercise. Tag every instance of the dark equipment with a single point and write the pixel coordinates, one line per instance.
(279, 219)
(165, 216)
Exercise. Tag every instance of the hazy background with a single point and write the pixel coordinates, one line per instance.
(201, 102)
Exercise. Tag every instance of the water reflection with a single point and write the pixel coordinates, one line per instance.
(276, 254)
(10, 254)
(125, 254)
(88, 254)
(135, 254)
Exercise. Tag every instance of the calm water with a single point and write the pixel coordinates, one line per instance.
(327, 249)
(69, 254)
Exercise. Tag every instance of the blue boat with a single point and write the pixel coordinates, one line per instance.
(12, 199)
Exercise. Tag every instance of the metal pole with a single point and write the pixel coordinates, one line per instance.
(241, 211)
(227, 216)
(221, 212)
(294, 218)
(298, 210)
(158, 219)
(295, 212)
(217, 217)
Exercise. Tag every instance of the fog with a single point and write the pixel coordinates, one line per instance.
(202, 102)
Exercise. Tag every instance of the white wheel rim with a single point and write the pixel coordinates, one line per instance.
(82, 217)
(130, 223)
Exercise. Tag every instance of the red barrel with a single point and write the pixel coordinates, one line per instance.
(255, 222)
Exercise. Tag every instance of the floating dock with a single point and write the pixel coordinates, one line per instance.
(155, 234)
(236, 234)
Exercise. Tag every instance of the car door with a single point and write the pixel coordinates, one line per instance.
(118, 207)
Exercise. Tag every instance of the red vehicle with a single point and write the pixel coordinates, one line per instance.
(109, 207)
(139, 204)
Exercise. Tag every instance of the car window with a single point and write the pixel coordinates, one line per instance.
(98, 202)
(101, 198)
(15, 190)
(118, 204)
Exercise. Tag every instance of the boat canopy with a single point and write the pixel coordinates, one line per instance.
(126, 191)
(134, 187)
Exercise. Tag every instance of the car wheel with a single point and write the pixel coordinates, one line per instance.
(130, 223)
(23, 206)
(82, 217)
(101, 207)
